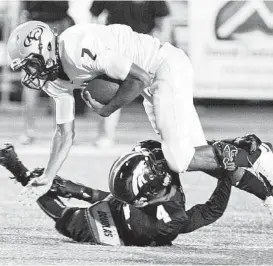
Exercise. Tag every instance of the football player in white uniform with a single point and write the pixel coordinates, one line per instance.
(163, 73)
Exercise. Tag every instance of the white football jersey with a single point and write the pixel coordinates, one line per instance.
(89, 50)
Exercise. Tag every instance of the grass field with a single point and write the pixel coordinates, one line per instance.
(243, 236)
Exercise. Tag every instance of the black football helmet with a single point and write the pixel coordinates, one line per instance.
(147, 144)
(137, 177)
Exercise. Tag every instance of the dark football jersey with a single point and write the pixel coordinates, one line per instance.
(156, 224)
(153, 225)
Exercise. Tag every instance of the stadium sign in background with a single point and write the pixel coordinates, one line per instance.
(231, 48)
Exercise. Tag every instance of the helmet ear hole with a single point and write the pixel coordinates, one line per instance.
(49, 46)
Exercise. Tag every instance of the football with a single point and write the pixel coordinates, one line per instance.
(103, 88)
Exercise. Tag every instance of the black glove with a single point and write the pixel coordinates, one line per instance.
(227, 154)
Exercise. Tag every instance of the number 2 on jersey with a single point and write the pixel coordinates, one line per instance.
(89, 53)
(161, 214)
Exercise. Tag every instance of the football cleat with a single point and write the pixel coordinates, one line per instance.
(9, 160)
(5, 151)
(25, 178)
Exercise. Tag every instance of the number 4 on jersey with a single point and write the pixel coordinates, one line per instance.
(161, 214)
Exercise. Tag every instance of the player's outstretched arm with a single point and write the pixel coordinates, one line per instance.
(61, 144)
(207, 159)
(204, 214)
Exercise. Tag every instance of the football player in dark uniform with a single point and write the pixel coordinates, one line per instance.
(154, 216)
(156, 212)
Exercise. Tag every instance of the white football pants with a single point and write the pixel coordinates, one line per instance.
(172, 113)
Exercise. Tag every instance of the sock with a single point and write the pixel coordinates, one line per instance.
(253, 185)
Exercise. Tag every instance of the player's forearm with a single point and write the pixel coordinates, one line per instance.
(204, 214)
(61, 145)
(128, 91)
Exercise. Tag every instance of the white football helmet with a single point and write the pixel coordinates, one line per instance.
(33, 47)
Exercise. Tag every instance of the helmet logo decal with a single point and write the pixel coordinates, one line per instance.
(34, 35)
(138, 178)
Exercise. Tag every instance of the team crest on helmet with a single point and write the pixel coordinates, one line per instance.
(34, 35)
(138, 178)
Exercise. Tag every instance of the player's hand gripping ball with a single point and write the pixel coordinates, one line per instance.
(102, 89)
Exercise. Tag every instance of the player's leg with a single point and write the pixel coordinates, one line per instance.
(172, 112)
(60, 187)
(95, 224)
(52, 206)
(9, 160)
(70, 221)
(68, 189)
(245, 149)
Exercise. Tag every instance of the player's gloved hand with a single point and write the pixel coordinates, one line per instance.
(93, 104)
(250, 143)
(36, 188)
(226, 154)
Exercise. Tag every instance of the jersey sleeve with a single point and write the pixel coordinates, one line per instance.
(98, 57)
(204, 214)
(64, 103)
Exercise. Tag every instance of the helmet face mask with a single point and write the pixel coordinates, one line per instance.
(136, 179)
(36, 74)
(33, 47)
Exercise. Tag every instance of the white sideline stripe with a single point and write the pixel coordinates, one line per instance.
(76, 150)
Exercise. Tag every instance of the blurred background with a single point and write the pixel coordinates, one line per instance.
(230, 44)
